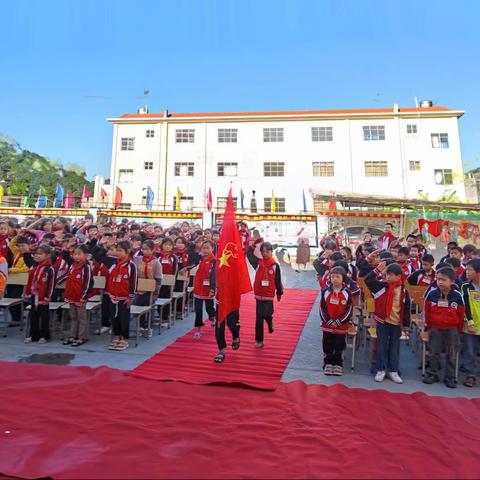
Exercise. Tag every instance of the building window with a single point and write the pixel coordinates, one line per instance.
(144, 200)
(374, 132)
(279, 204)
(125, 175)
(376, 169)
(186, 203)
(128, 143)
(184, 169)
(439, 140)
(124, 206)
(414, 165)
(222, 202)
(273, 134)
(227, 135)
(323, 169)
(185, 135)
(322, 134)
(148, 165)
(227, 169)
(149, 133)
(274, 169)
(412, 128)
(443, 176)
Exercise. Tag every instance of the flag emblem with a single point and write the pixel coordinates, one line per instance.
(230, 250)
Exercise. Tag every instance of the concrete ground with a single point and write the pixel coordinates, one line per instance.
(305, 364)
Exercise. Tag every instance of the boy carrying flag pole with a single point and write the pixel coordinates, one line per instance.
(230, 280)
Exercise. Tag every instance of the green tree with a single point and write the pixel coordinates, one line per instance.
(25, 172)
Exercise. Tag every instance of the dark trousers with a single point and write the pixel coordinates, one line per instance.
(39, 321)
(209, 307)
(333, 346)
(233, 322)
(15, 291)
(105, 311)
(439, 341)
(120, 317)
(143, 300)
(165, 292)
(264, 312)
(388, 346)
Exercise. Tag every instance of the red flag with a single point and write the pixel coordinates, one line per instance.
(209, 199)
(85, 196)
(232, 273)
(118, 197)
(103, 193)
(68, 200)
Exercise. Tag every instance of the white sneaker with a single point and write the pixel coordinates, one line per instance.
(380, 376)
(395, 377)
(99, 331)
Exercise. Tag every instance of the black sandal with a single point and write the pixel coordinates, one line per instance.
(219, 357)
(69, 341)
(235, 344)
(77, 343)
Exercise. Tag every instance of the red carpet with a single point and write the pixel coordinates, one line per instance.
(191, 361)
(77, 422)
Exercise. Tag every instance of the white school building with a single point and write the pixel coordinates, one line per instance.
(397, 152)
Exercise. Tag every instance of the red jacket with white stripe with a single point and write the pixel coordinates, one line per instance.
(41, 281)
(79, 284)
(444, 312)
(169, 262)
(379, 289)
(335, 310)
(122, 281)
(202, 284)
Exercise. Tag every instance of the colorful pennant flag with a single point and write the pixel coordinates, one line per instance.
(59, 194)
(178, 199)
(304, 201)
(68, 200)
(150, 197)
(209, 199)
(85, 196)
(274, 203)
(118, 197)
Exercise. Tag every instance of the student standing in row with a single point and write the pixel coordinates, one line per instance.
(336, 314)
(267, 284)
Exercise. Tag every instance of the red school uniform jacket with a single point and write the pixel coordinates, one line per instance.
(444, 312)
(268, 280)
(5, 251)
(169, 263)
(335, 310)
(422, 278)
(41, 281)
(182, 258)
(79, 284)
(122, 281)
(201, 283)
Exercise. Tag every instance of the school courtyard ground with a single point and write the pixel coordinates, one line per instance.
(304, 365)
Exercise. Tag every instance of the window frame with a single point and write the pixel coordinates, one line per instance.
(444, 172)
(323, 167)
(376, 165)
(273, 134)
(125, 171)
(271, 165)
(411, 127)
(280, 204)
(188, 165)
(414, 163)
(227, 135)
(184, 135)
(370, 136)
(221, 166)
(149, 133)
(322, 134)
(442, 145)
(148, 165)
(127, 144)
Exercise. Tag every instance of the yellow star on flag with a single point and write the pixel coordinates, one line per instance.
(224, 258)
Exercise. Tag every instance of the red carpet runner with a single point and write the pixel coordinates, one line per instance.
(77, 422)
(191, 361)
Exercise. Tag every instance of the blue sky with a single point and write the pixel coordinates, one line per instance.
(207, 55)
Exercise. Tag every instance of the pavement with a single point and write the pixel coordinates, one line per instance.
(305, 364)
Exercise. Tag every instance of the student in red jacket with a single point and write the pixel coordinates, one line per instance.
(78, 289)
(268, 281)
(121, 287)
(444, 319)
(426, 275)
(169, 263)
(5, 238)
(335, 313)
(392, 314)
(41, 281)
(203, 287)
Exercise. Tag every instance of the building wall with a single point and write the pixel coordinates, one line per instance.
(348, 151)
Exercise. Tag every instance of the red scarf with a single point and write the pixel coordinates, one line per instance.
(267, 263)
(391, 295)
(145, 262)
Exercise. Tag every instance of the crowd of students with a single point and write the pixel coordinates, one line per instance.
(62, 259)
(451, 307)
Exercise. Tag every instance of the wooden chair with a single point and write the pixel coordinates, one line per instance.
(178, 297)
(190, 303)
(137, 311)
(161, 303)
(6, 303)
